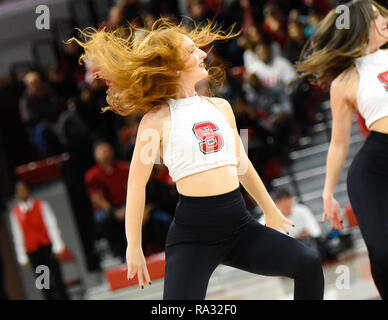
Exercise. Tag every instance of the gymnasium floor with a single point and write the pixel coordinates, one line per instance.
(348, 278)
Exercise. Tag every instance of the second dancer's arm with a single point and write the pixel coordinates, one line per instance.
(342, 114)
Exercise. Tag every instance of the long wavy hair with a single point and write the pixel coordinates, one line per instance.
(140, 66)
(332, 50)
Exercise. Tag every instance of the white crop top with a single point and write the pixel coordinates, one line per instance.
(372, 96)
(200, 138)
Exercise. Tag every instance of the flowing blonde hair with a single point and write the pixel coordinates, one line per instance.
(141, 67)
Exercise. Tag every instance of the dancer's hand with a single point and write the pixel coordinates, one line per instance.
(332, 211)
(136, 264)
(277, 221)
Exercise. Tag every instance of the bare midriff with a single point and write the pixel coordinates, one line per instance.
(210, 182)
(380, 125)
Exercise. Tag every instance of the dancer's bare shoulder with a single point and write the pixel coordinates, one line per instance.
(345, 86)
(156, 116)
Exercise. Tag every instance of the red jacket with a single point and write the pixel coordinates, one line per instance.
(33, 227)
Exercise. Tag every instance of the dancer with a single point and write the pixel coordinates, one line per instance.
(155, 71)
(355, 65)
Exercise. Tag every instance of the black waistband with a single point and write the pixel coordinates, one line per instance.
(220, 199)
(378, 136)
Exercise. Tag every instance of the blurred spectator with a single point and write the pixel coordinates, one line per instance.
(68, 74)
(131, 10)
(274, 108)
(306, 226)
(166, 7)
(74, 135)
(273, 71)
(274, 25)
(39, 110)
(313, 20)
(260, 148)
(296, 42)
(115, 19)
(215, 6)
(198, 11)
(92, 99)
(36, 237)
(243, 13)
(106, 183)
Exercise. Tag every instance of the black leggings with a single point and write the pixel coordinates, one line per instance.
(213, 230)
(367, 184)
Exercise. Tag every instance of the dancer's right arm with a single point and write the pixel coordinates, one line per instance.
(143, 159)
(342, 113)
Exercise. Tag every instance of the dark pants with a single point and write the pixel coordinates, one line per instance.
(44, 256)
(208, 231)
(113, 230)
(367, 184)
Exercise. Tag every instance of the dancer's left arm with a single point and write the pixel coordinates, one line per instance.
(252, 182)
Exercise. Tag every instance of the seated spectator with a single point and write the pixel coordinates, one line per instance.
(306, 226)
(37, 239)
(106, 183)
(272, 100)
(274, 108)
(273, 71)
(39, 109)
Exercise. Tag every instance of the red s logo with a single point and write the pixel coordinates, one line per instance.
(211, 140)
(383, 77)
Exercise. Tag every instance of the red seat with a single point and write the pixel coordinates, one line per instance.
(117, 276)
(352, 220)
(42, 170)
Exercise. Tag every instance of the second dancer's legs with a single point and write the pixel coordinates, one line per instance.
(368, 193)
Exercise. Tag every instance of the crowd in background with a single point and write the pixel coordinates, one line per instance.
(59, 109)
